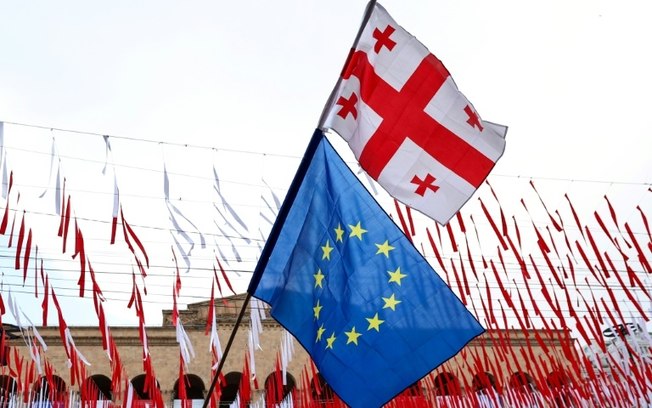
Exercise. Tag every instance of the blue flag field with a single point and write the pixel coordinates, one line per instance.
(347, 283)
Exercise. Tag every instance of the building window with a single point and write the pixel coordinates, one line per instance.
(321, 391)
(484, 381)
(7, 388)
(97, 388)
(447, 384)
(194, 387)
(522, 381)
(275, 391)
(50, 389)
(141, 388)
(229, 391)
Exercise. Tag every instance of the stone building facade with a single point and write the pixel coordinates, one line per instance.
(164, 351)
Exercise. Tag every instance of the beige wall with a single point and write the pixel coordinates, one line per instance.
(165, 351)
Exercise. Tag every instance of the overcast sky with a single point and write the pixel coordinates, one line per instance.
(242, 84)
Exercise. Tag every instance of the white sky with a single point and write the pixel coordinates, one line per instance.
(570, 79)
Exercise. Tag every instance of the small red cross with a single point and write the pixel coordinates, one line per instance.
(425, 184)
(382, 38)
(348, 106)
(473, 119)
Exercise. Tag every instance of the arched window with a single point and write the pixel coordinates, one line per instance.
(483, 381)
(230, 390)
(447, 384)
(141, 388)
(97, 387)
(52, 389)
(275, 391)
(321, 391)
(7, 389)
(522, 381)
(194, 387)
(557, 379)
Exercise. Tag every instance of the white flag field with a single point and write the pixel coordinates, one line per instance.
(407, 123)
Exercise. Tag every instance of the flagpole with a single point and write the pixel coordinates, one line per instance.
(365, 19)
(270, 243)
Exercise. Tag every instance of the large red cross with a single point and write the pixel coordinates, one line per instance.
(403, 116)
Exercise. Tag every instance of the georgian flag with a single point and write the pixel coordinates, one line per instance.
(409, 126)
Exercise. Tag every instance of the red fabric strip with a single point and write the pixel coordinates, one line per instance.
(460, 288)
(5, 218)
(226, 278)
(586, 260)
(460, 221)
(79, 249)
(114, 227)
(436, 251)
(577, 219)
(408, 211)
(19, 245)
(45, 303)
(612, 212)
(451, 236)
(211, 309)
(28, 251)
(406, 232)
(647, 226)
(66, 224)
(597, 252)
(641, 256)
(505, 293)
(135, 238)
(493, 225)
(552, 219)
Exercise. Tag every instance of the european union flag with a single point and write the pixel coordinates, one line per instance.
(346, 282)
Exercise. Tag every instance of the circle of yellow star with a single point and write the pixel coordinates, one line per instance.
(320, 332)
(326, 249)
(317, 309)
(391, 302)
(352, 336)
(339, 233)
(396, 276)
(357, 231)
(384, 248)
(330, 341)
(374, 322)
(319, 277)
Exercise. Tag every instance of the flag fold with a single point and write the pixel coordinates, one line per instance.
(347, 283)
(407, 123)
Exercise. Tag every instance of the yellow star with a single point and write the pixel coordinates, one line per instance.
(357, 231)
(396, 276)
(319, 277)
(317, 309)
(320, 332)
(339, 233)
(374, 323)
(352, 336)
(327, 250)
(391, 302)
(384, 248)
(330, 341)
